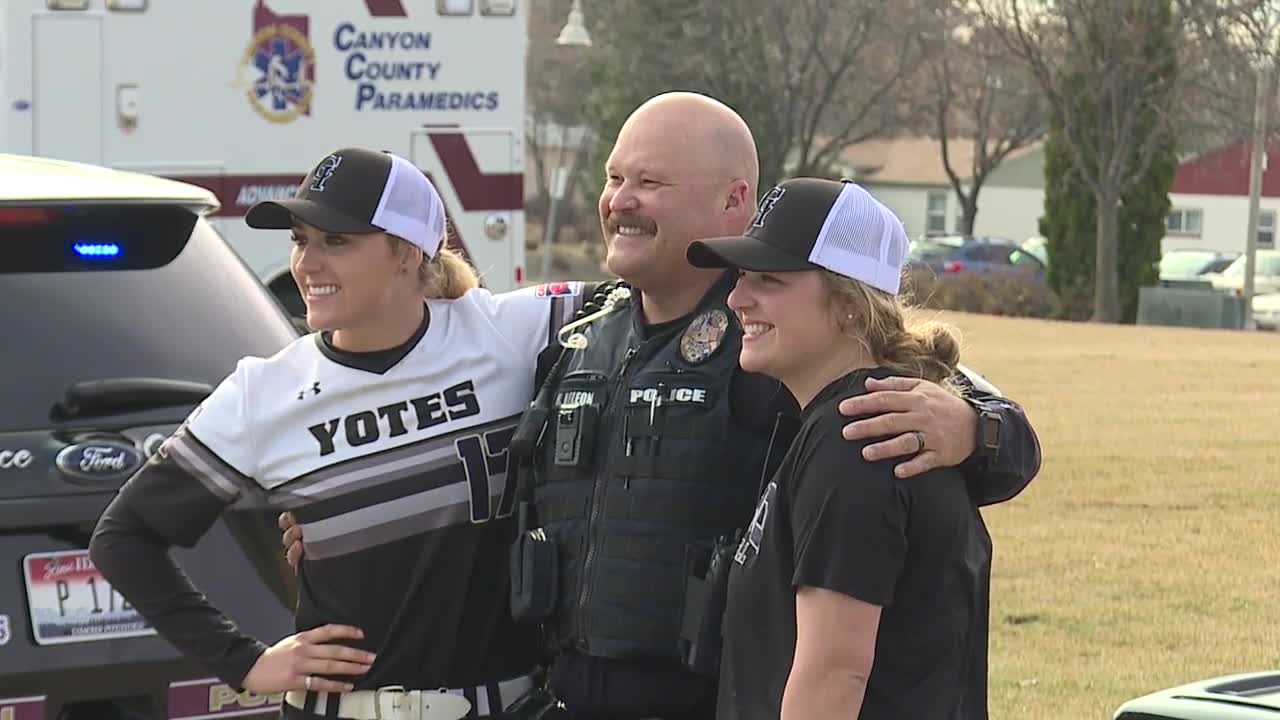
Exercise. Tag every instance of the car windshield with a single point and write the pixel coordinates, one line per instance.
(1184, 264)
(122, 292)
(933, 248)
(1266, 264)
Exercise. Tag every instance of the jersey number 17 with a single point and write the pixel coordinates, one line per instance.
(484, 458)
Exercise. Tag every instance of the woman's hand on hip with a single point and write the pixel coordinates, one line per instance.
(310, 654)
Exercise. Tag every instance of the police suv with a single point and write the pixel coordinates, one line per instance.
(120, 309)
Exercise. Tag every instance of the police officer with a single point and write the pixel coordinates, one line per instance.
(656, 443)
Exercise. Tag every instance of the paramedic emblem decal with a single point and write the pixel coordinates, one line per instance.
(278, 70)
(703, 336)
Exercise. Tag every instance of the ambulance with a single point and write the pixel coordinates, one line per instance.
(242, 96)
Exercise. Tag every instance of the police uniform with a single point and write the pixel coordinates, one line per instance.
(829, 519)
(655, 448)
(395, 465)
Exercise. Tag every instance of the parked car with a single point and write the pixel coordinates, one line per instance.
(1245, 696)
(1193, 264)
(1266, 274)
(954, 254)
(1039, 247)
(1266, 311)
(123, 309)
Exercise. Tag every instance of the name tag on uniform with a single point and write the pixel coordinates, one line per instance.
(574, 398)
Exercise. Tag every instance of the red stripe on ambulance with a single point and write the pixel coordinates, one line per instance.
(385, 8)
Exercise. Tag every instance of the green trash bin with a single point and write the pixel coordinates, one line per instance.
(1250, 696)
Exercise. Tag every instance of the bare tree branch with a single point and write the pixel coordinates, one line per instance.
(1110, 92)
(980, 95)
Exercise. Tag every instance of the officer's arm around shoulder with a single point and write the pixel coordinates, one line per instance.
(1017, 460)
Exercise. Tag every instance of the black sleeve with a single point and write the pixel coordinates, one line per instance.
(995, 480)
(849, 518)
(165, 504)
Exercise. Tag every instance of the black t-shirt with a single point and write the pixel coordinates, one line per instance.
(918, 549)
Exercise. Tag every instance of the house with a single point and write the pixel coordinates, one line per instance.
(1210, 197)
(907, 174)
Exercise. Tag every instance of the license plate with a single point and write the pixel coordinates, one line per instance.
(70, 601)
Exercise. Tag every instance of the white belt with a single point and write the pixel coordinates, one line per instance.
(396, 703)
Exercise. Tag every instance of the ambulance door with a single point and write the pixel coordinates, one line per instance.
(480, 175)
(66, 79)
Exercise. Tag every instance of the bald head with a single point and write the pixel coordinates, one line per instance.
(683, 168)
(712, 132)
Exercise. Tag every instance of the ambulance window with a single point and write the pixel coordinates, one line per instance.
(497, 7)
(455, 7)
(127, 5)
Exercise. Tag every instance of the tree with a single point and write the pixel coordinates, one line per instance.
(1069, 227)
(1226, 43)
(1144, 210)
(1070, 224)
(1108, 71)
(810, 77)
(978, 93)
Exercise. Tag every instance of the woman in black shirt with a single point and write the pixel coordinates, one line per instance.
(853, 593)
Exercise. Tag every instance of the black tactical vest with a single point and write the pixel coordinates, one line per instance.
(640, 470)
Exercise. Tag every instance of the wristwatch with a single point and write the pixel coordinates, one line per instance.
(987, 444)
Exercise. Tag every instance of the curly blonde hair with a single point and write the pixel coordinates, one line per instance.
(880, 322)
(446, 275)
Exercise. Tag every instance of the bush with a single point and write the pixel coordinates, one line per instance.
(1011, 294)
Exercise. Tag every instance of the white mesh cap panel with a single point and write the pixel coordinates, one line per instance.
(410, 207)
(862, 239)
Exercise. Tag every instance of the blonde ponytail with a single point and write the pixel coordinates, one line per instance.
(447, 276)
(923, 349)
(444, 277)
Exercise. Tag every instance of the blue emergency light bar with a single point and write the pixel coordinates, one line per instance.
(96, 250)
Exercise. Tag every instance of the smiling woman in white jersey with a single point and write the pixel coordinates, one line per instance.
(385, 434)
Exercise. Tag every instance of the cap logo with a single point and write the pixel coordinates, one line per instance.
(767, 202)
(324, 171)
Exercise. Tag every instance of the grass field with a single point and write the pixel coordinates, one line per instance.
(1147, 552)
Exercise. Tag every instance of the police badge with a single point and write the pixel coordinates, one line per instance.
(703, 336)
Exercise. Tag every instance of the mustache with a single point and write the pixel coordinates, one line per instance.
(617, 220)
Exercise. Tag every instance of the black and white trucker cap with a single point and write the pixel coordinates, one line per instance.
(357, 190)
(814, 224)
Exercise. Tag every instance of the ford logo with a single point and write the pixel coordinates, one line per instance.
(99, 460)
